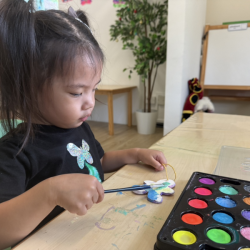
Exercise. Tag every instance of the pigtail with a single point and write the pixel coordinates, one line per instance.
(82, 16)
(17, 54)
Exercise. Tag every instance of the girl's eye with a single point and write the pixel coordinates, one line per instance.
(76, 95)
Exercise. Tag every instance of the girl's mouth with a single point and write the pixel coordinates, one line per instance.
(84, 118)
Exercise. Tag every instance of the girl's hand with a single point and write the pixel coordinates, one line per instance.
(152, 157)
(76, 192)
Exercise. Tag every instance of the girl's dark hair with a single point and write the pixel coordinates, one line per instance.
(35, 48)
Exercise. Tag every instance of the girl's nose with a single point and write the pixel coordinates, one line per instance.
(89, 101)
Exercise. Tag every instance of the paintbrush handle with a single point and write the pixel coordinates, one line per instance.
(127, 189)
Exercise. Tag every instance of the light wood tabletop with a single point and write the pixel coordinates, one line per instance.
(127, 221)
(111, 90)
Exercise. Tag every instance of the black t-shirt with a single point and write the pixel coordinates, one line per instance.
(53, 151)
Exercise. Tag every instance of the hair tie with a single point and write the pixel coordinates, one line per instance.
(72, 13)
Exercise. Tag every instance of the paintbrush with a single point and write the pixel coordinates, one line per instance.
(136, 187)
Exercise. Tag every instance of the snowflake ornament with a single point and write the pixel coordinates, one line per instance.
(155, 194)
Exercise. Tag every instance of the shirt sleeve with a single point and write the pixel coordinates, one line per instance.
(13, 172)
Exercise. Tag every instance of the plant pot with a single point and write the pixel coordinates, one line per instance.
(146, 122)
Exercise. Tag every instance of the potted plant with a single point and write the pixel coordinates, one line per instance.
(141, 26)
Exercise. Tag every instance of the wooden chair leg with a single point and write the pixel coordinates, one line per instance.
(130, 108)
(110, 109)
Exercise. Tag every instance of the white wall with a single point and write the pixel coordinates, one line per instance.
(219, 11)
(186, 22)
(102, 14)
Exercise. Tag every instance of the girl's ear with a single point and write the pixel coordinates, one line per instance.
(72, 12)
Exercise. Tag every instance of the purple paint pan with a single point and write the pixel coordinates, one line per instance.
(246, 214)
(207, 181)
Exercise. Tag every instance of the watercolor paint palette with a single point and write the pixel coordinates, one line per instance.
(212, 213)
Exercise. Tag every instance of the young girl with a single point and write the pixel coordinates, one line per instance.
(50, 67)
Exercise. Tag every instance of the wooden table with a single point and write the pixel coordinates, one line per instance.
(129, 221)
(110, 90)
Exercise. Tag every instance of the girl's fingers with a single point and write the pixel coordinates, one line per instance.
(161, 159)
(82, 211)
(100, 191)
(89, 205)
(152, 157)
(95, 197)
(157, 165)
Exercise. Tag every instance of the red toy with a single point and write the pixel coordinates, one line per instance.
(195, 94)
